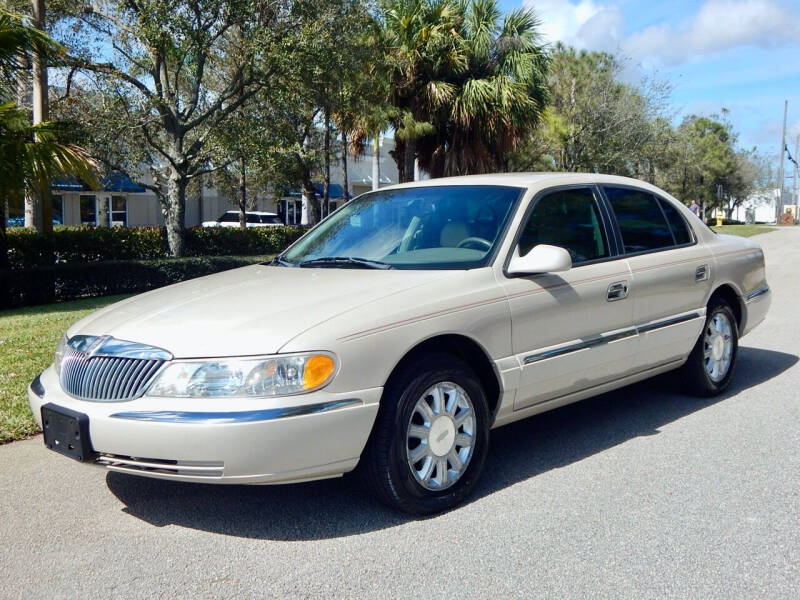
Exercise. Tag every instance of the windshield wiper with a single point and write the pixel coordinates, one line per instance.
(352, 261)
(280, 262)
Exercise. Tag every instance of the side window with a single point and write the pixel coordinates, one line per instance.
(569, 219)
(640, 220)
(676, 223)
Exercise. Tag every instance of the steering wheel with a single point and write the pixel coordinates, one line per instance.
(474, 240)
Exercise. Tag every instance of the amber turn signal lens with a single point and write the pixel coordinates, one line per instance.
(319, 369)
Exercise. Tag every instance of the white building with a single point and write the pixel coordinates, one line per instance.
(124, 203)
(761, 205)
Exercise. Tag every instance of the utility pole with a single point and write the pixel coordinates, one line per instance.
(779, 201)
(794, 180)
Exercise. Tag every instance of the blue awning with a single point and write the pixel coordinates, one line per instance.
(335, 190)
(115, 182)
(69, 184)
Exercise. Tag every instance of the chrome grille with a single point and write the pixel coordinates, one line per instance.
(98, 374)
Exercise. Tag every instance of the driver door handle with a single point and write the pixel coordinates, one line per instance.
(617, 291)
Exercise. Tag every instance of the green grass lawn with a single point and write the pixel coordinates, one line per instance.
(743, 230)
(28, 339)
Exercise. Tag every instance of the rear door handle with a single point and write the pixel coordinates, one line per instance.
(701, 273)
(617, 291)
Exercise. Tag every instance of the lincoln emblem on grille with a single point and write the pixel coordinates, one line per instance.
(108, 369)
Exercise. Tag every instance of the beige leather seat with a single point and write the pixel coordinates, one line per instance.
(452, 234)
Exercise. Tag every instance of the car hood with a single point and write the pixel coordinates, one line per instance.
(247, 311)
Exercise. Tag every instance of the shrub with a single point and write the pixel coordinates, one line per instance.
(26, 248)
(51, 283)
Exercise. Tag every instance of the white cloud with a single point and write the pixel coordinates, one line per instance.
(567, 22)
(603, 30)
(717, 26)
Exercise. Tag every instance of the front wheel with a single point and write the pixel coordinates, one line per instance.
(430, 438)
(709, 369)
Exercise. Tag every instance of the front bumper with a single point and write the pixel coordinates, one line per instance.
(275, 440)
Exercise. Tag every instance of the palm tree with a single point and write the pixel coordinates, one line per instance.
(471, 82)
(16, 40)
(30, 155)
(498, 99)
(422, 48)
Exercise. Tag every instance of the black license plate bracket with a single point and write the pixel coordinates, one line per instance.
(67, 432)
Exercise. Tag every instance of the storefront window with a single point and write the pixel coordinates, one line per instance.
(119, 211)
(58, 209)
(88, 210)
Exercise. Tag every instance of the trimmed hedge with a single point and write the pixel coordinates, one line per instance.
(27, 249)
(56, 283)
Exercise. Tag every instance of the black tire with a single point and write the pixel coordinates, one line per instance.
(694, 376)
(383, 466)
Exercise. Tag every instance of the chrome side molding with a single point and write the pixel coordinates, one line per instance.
(667, 322)
(590, 343)
(759, 291)
(249, 416)
(606, 338)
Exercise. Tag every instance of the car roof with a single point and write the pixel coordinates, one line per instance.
(524, 180)
(253, 212)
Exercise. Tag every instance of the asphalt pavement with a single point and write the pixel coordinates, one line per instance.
(639, 493)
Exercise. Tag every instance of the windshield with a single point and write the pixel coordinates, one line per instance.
(438, 227)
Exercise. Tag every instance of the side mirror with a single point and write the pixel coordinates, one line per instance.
(542, 258)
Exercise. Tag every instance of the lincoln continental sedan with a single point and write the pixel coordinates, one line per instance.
(398, 332)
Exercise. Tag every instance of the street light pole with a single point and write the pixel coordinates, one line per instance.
(794, 180)
(779, 201)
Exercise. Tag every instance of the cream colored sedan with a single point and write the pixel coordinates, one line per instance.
(394, 335)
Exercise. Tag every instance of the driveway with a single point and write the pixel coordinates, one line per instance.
(640, 493)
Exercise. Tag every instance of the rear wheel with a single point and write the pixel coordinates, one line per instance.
(710, 366)
(431, 436)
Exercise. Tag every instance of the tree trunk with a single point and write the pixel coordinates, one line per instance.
(33, 215)
(376, 162)
(4, 266)
(409, 155)
(311, 197)
(44, 215)
(3, 241)
(175, 213)
(326, 181)
(398, 154)
(242, 195)
(345, 183)
(22, 80)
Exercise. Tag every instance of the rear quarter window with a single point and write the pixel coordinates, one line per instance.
(640, 219)
(676, 223)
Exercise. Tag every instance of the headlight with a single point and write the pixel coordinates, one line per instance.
(60, 349)
(81, 343)
(278, 375)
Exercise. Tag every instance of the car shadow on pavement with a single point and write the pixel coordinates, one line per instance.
(339, 507)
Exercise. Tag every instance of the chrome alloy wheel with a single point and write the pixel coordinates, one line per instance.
(441, 436)
(718, 347)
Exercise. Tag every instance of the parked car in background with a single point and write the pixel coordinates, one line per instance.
(254, 219)
(20, 221)
(395, 334)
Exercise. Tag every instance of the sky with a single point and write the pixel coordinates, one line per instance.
(741, 55)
